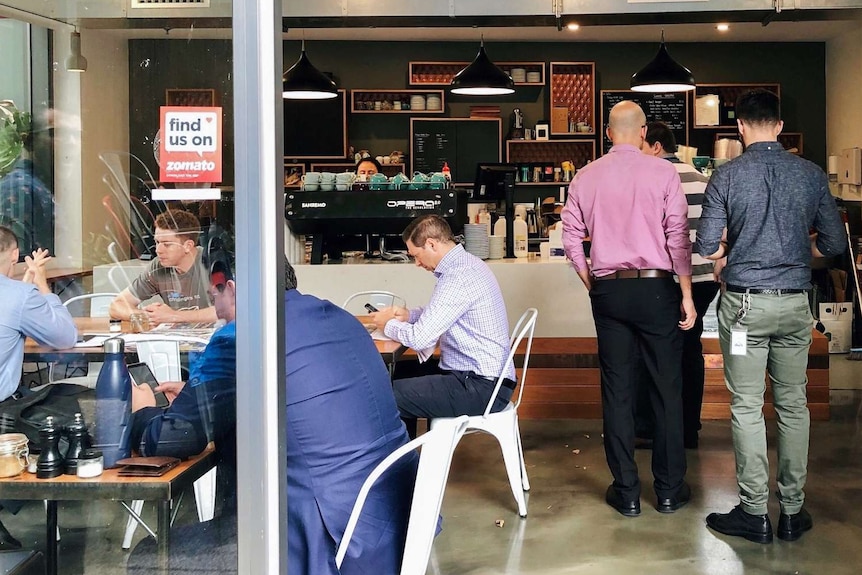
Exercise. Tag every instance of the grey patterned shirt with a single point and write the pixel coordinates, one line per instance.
(769, 200)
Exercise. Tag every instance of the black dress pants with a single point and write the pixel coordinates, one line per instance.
(702, 293)
(637, 325)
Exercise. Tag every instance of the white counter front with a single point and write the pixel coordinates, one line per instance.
(552, 287)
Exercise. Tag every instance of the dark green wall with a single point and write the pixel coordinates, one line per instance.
(155, 66)
(800, 68)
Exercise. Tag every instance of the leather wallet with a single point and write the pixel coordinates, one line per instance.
(146, 466)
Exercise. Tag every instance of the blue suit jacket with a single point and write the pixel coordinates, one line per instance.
(341, 422)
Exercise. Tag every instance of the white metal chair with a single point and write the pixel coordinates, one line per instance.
(99, 304)
(435, 459)
(503, 425)
(377, 298)
(162, 355)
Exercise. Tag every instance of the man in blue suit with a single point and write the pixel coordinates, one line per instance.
(341, 422)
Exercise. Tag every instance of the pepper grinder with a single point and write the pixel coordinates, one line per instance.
(79, 440)
(50, 463)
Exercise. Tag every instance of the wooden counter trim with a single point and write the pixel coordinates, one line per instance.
(564, 380)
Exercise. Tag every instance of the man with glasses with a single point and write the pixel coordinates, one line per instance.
(466, 314)
(177, 275)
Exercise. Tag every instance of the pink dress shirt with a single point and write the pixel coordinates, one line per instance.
(633, 208)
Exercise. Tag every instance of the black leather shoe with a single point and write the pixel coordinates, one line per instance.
(671, 504)
(629, 508)
(791, 527)
(7, 542)
(738, 523)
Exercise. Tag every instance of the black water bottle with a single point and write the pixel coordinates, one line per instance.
(113, 405)
(79, 440)
(50, 462)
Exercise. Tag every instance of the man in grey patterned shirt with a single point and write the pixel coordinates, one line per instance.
(466, 314)
(769, 200)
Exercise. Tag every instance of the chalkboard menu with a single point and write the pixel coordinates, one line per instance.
(460, 142)
(316, 128)
(670, 108)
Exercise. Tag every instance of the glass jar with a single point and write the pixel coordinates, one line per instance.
(14, 454)
(90, 463)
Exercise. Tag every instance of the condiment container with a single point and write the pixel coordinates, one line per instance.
(14, 454)
(90, 463)
(115, 326)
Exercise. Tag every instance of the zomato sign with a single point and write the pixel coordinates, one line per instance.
(190, 149)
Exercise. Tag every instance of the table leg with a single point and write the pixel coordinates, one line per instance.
(164, 534)
(51, 543)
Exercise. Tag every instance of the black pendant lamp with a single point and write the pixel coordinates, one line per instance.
(305, 82)
(482, 78)
(663, 74)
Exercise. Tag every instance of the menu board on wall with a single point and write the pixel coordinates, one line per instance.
(670, 108)
(316, 128)
(460, 142)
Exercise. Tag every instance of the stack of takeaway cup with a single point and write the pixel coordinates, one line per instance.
(476, 240)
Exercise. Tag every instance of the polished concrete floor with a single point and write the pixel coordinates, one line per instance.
(569, 529)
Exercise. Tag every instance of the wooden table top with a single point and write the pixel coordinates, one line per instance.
(109, 485)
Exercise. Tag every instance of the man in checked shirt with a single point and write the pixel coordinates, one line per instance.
(466, 315)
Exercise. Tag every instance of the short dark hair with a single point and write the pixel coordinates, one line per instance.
(429, 226)
(759, 106)
(289, 276)
(661, 133)
(8, 240)
(182, 223)
(371, 160)
(220, 272)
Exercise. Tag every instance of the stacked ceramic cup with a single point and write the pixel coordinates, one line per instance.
(433, 102)
(344, 180)
(496, 247)
(519, 75)
(476, 240)
(311, 181)
(417, 102)
(327, 181)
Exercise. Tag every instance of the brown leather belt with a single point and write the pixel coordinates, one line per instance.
(634, 274)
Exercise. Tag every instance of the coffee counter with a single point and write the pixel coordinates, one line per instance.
(564, 380)
(552, 287)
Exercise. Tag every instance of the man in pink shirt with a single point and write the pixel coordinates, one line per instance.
(633, 208)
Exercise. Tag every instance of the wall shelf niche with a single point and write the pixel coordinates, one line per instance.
(388, 169)
(573, 98)
(441, 73)
(726, 95)
(792, 141)
(397, 101)
(579, 152)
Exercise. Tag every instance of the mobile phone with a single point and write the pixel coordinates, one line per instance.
(141, 375)
(370, 308)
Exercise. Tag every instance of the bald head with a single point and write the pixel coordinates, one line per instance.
(626, 124)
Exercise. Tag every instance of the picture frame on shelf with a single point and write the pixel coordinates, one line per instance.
(293, 175)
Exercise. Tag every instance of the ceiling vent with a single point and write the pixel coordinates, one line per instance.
(169, 4)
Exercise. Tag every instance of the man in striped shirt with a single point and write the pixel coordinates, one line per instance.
(660, 142)
(466, 315)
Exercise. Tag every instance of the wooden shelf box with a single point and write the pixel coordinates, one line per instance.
(573, 89)
(789, 140)
(727, 95)
(204, 97)
(578, 152)
(388, 169)
(441, 73)
(383, 101)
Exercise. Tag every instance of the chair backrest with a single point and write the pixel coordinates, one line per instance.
(435, 459)
(119, 278)
(377, 298)
(100, 303)
(163, 357)
(523, 329)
